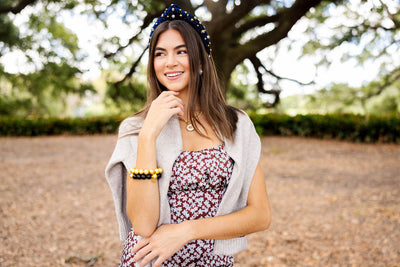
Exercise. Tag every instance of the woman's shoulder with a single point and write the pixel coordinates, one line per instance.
(242, 117)
(130, 125)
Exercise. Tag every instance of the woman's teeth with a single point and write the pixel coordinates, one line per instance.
(173, 74)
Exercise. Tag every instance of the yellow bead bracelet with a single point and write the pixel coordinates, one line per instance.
(143, 174)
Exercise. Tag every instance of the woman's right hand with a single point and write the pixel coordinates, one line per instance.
(161, 110)
(143, 203)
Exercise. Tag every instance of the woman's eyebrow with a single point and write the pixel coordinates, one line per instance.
(176, 48)
(180, 46)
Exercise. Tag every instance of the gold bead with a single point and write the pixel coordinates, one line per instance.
(146, 171)
(154, 176)
(141, 171)
(136, 171)
(151, 172)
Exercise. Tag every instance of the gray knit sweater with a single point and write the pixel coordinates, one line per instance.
(245, 151)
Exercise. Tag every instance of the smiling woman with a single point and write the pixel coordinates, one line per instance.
(171, 63)
(194, 186)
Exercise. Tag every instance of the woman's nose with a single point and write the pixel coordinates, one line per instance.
(171, 61)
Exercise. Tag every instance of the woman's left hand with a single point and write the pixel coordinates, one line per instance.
(162, 244)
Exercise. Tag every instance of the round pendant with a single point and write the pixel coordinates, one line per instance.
(189, 127)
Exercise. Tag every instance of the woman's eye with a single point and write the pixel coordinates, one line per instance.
(181, 52)
(159, 54)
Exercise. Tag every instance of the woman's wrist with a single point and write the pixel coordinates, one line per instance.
(147, 135)
(188, 230)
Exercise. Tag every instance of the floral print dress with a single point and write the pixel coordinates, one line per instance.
(198, 182)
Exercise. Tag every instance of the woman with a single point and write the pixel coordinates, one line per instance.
(211, 192)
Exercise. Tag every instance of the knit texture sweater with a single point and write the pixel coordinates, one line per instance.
(244, 150)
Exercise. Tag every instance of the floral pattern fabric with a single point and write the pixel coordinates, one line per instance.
(198, 182)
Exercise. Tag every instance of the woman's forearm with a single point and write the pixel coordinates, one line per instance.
(240, 223)
(143, 204)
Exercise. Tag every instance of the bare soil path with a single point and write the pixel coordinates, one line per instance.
(334, 203)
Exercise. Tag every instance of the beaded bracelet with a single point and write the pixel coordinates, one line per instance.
(146, 174)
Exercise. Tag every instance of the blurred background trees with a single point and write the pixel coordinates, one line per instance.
(48, 66)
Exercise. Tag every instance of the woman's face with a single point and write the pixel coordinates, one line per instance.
(171, 61)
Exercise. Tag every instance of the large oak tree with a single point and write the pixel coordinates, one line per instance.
(239, 31)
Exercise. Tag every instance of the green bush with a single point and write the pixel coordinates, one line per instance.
(356, 128)
(350, 127)
(10, 126)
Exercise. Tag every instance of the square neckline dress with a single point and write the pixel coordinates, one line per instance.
(198, 182)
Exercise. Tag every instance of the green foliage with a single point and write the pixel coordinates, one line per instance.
(377, 97)
(53, 68)
(37, 93)
(14, 106)
(55, 32)
(51, 52)
(349, 127)
(355, 128)
(241, 92)
(128, 96)
(11, 126)
(367, 30)
(9, 33)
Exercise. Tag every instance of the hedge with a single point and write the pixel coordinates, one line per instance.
(55, 126)
(349, 127)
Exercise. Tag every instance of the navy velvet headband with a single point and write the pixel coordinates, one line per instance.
(174, 12)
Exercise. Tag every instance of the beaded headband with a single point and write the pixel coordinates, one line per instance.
(174, 12)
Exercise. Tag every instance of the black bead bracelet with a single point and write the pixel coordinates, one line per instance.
(143, 174)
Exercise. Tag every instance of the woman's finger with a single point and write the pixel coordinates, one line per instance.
(159, 261)
(167, 94)
(175, 104)
(142, 243)
(141, 253)
(172, 98)
(148, 258)
(177, 111)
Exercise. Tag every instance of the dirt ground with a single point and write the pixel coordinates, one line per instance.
(333, 203)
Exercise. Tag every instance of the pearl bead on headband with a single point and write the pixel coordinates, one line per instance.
(174, 12)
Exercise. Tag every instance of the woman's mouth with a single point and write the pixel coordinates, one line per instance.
(173, 75)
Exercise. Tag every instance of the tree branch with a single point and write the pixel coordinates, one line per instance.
(285, 78)
(260, 84)
(396, 22)
(216, 8)
(255, 22)
(388, 81)
(287, 18)
(129, 74)
(16, 8)
(222, 21)
(146, 22)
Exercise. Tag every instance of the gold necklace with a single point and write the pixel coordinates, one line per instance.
(189, 125)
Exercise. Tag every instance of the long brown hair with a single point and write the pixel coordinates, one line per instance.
(204, 89)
